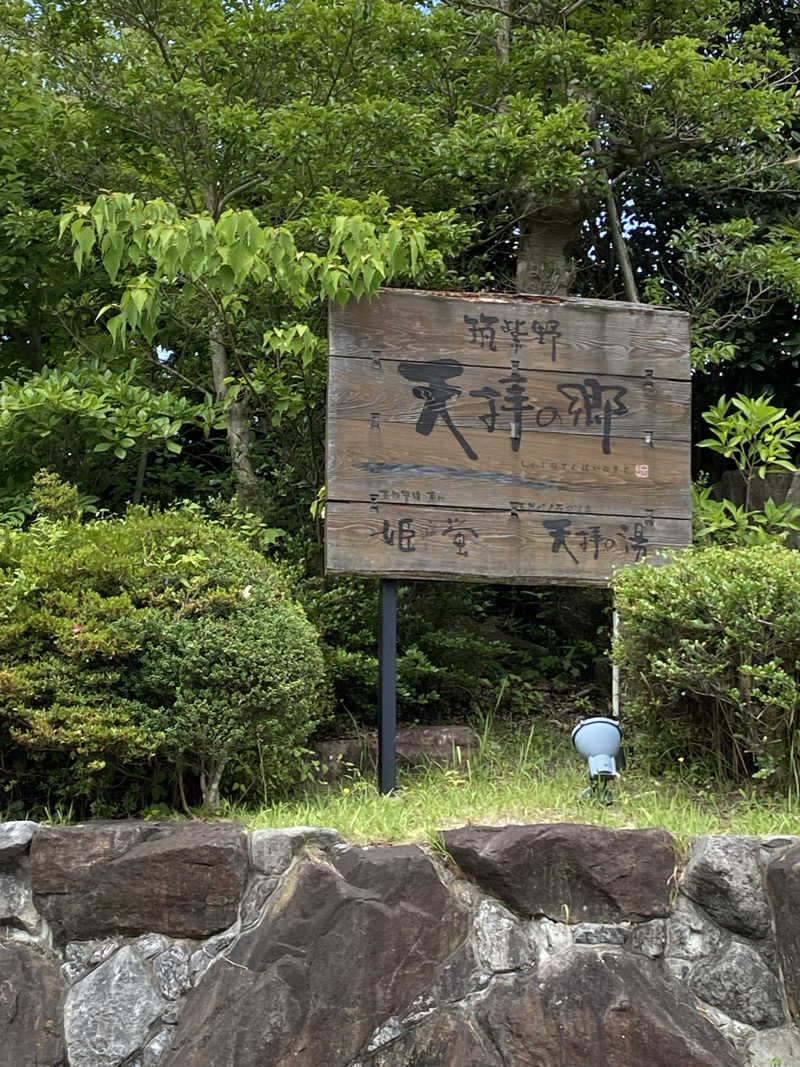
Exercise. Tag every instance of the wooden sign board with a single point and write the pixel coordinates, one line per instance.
(502, 438)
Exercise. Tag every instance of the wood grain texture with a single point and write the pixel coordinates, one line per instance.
(592, 337)
(505, 438)
(400, 541)
(555, 401)
(559, 472)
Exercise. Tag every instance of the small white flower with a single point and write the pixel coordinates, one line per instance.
(247, 592)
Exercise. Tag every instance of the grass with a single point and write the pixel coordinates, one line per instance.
(528, 777)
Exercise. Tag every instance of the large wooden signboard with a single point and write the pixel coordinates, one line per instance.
(505, 438)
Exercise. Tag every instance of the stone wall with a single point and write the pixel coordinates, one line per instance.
(197, 945)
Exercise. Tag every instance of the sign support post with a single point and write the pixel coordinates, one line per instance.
(387, 686)
(501, 437)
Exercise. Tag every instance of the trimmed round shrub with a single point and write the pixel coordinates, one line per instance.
(140, 652)
(237, 682)
(709, 647)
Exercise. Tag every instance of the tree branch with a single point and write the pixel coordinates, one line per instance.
(239, 189)
(620, 245)
(160, 44)
(565, 12)
(477, 5)
(529, 20)
(345, 55)
(171, 370)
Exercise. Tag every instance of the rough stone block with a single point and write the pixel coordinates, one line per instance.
(172, 972)
(179, 879)
(690, 933)
(740, 984)
(258, 893)
(149, 945)
(600, 934)
(780, 1048)
(83, 956)
(723, 876)
(346, 942)
(415, 746)
(600, 1007)
(271, 851)
(375, 957)
(109, 1013)
(501, 942)
(783, 888)
(550, 937)
(444, 1040)
(15, 837)
(460, 976)
(31, 1003)
(16, 900)
(583, 1009)
(569, 871)
(153, 1052)
(649, 939)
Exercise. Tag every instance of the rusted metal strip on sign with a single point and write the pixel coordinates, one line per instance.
(582, 336)
(525, 419)
(401, 541)
(389, 463)
(556, 401)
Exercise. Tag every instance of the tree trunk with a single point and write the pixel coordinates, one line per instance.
(209, 784)
(141, 471)
(240, 440)
(35, 327)
(543, 266)
(504, 33)
(618, 241)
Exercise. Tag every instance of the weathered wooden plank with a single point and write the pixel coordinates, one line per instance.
(400, 541)
(505, 438)
(492, 399)
(581, 336)
(568, 473)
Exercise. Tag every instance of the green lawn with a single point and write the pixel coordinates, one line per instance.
(526, 778)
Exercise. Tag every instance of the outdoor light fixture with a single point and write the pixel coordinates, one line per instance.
(598, 740)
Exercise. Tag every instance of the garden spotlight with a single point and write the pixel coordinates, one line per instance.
(598, 740)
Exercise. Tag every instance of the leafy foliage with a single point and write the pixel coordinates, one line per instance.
(83, 608)
(239, 163)
(709, 646)
(725, 522)
(464, 650)
(218, 256)
(734, 273)
(236, 164)
(64, 416)
(759, 438)
(756, 434)
(231, 682)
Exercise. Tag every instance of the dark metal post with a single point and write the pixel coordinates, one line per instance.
(387, 686)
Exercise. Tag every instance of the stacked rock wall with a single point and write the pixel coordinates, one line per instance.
(136, 944)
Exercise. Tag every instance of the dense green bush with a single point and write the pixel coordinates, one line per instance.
(709, 646)
(132, 647)
(231, 682)
(463, 648)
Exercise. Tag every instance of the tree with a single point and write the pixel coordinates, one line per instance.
(221, 260)
(203, 110)
(66, 399)
(575, 140)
